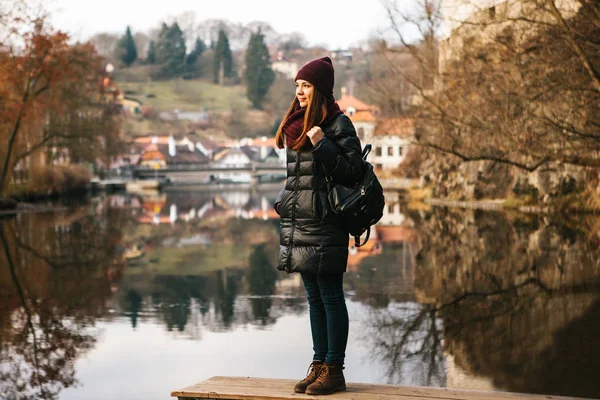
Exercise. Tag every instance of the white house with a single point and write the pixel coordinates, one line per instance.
(232, 158)
(391, 141)
(388, 137)
(264, 147)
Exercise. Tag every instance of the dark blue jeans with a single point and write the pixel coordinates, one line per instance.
(328, 316)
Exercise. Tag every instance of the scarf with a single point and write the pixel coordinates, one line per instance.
(292, 129)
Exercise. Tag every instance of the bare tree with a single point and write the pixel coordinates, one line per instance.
(141, 43)
(517, 83)
(407, 338)
(188, 23)
(105, 44)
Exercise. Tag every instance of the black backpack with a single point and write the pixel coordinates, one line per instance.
(360, 206)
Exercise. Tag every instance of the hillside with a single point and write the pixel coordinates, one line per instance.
(229, 109)
(187, 95)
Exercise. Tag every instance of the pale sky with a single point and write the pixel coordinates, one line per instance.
(334, 23)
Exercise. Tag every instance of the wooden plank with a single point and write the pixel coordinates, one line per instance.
(246, 388)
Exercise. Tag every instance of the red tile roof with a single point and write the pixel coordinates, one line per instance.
(148, 139)
(351, 101)
(364, 112)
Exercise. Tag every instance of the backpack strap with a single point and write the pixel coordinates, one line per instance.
(357, 239)
(366, 151)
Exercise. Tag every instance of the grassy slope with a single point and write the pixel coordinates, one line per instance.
(188, 95)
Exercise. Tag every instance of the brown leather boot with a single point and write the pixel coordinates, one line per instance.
(313, 372)
(330, 380)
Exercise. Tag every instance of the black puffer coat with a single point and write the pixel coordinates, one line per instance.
(311, 239)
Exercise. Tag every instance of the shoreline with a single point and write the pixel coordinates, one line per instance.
(12, 206)
(30, 208)
(491, 205)
(500, 205)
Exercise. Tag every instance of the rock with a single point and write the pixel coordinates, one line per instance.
(452, 178)
(546, 199)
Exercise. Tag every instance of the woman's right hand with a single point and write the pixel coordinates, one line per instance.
(315, 134)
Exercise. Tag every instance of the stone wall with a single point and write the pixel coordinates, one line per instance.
(451, 178)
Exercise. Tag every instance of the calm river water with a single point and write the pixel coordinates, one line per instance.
(129, 296)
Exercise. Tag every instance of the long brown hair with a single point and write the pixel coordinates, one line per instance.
(316, 112)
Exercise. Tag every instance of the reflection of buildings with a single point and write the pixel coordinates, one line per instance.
(393, 228)
(172, 207)
(371, 248)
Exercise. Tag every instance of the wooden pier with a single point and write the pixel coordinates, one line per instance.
(239, 388)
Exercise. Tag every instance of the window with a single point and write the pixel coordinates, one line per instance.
(390, 151)
(378, 151)
(378, 166)
(390, 209)
(492, 12)
(361, 133)
(400, 150)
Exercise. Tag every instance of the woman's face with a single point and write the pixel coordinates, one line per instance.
(304, 92)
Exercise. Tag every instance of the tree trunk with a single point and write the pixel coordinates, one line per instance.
(9, 150)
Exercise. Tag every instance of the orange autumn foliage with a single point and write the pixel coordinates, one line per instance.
(49, 95)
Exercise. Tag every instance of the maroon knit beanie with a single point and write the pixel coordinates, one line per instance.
(319, 73)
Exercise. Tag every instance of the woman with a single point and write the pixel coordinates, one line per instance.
(321, 144)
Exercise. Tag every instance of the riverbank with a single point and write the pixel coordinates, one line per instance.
(30, 208)
(506, 205)
(488, 205)
(47, 184)
(583, 202)
(7, 205)
(11, 205)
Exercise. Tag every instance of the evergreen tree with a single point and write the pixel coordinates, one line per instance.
(170, 50)
(193, 66)
(258, 74)
(199, 48)
(127, 49)
(162, 45)
(151, 55)
(223, 61)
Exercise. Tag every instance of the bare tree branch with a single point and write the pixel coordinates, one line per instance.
(594, 75)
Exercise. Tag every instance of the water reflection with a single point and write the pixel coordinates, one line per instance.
(51, 293)
(407, 339)
(261, 277)
(518, 298)
(440, 297)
